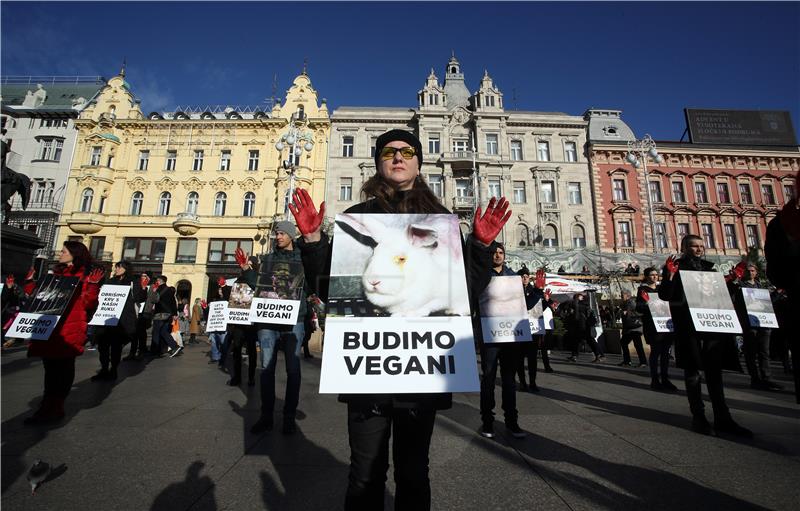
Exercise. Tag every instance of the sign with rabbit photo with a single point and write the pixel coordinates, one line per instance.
(398, 316)
(504, 317)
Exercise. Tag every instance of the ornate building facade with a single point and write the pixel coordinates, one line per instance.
(475, 148)
(176, 193)
(726, 194)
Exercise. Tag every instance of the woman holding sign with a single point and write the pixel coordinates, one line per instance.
(66, 342)
(111, 339)
(696, 351)
(397, 187)
(660, 342)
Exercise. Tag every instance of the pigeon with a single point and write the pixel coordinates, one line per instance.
(37, 474)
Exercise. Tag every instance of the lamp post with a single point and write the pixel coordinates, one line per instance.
(638, 152)
(298, 139)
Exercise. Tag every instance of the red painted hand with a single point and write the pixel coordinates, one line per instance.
(144, 280)
(241, 258)
(30, 274)
(672, 265)
(486, 227)
(739, 270)
(645, 296)
(540, 280)
(305, 214)
(547, 294)
(221, 282)
(10, 280)
(154, 287)
(95, 276)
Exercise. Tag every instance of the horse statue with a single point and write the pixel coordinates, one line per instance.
(12, 183)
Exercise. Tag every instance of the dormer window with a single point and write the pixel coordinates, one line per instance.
(610, 131)
(454, 69)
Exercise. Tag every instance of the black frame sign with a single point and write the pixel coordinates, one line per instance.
(740, 127)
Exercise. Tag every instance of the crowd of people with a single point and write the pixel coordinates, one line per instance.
(407, 420)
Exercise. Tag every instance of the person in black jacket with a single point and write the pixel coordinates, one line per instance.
(579, 319)
(244, 336)
(165, 310)
(660, 342)
(397, 187)
(534, 294)
(111, 339)
(143, 318)
(696, 351)
(631, 331)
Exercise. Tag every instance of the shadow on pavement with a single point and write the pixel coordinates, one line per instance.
(176, 495)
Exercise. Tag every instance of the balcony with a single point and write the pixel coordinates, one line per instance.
(85, 223)
(464, 203)
(549, 206)
(458, 159)
(186, 224)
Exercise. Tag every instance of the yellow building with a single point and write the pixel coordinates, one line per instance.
(176, 193)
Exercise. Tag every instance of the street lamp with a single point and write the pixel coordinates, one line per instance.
(298, 139)
(638, 152)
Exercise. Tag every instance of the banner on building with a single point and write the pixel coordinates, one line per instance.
(759, 308)
(709, 302)
(110, 303)
(39, 316)
(662, 317)
(504, 317)
(239, 304)
(740, 127)
(398, 316)
(217, 317)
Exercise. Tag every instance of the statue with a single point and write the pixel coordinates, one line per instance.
(12, 182)
(39, 96)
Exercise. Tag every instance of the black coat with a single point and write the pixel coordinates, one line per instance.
(648, 327)
(317, 265)
(127, 321)
(166, 301)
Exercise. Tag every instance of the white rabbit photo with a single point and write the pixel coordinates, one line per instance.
(402, 265)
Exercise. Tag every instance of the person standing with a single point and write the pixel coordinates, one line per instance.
(631, 331)
(111, 339)
(243, 336)
(217, 338)
(165, 311)
(579, 319)
(194, 321)
(144, 318)
(534, 295)
(660, 342)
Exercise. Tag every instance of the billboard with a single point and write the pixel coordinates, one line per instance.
(740, 127)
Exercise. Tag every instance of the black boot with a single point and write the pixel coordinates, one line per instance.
(701, 425)
(729, 426)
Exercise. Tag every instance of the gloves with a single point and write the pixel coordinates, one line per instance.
(241, 258)
(539, 282)
(486, 227)
(95, 276)
(221, 282)
(645, 295)
(305, 214)
(10, 280)
(672, 265)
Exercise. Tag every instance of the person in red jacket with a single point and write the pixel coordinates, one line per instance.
(66, 343)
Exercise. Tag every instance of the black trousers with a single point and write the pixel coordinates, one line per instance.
(243, 336)
(582, 335)
(636, 337)
(59, 373)
(756, 353)
(506, 355)
(659, 355)
(710, 354)
(109, 346)
(369, 431)
(528, 351)
(139, 343)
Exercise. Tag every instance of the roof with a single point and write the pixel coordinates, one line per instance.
(59, 95)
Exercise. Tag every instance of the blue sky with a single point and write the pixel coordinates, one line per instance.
(648, 59)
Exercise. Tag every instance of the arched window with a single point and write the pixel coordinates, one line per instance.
(192, 200)
(550, 236)
(136, 203)
(249, 204)
(578, 236)
(163, 203)
(219, 204)
(86, 200)
(524, 235)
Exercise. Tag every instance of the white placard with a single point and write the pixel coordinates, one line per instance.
(659, 311)
(110, 303)
(239, 304)
(372, 355)
(536, 319)
(239, 316)
(709, 302)
(759, 308)
(547, 317)
(273, 311)
(504, 317)
(36, 327)
(217, 317)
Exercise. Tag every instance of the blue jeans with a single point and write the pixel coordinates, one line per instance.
(290, 342)
(162, 332)
(217, 340)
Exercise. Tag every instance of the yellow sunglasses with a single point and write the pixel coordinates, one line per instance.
(387, 153)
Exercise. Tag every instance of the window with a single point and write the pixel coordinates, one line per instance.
(491, 143)
(619, 190)
(730, 236)
(460, 145)
(222, 250)
(50, 148)
(171, 157)
(96, 246)
(346, 189)
(578, 236)
(768, 194)
(192, 202)
(570, 151)
(187, 250)
(550, 236)
(144, 159)
(752, 236)
(495, 190)
(519, 192)
(163, 203)
(524, 236)
(219, 203)
(624, 232)
(86, 200)
(661, 235)
(249, 207)
(434, 143)
(723, 193)
(543, 150)
(655, 191)
(252, 161)
(678, 194)
(575, 195)
(347, 146)
(197, 164)
(373, 143)
(110, 161)
(225, 160)
(463, 187)
(96, 151)
(788, 192)
(708, 235)
(548, 192)
(53, 123)
(136, 203)
(102, 204)
(683, 231)
(700, 193)
(745, 194)
(516, 150)
(144, 249)
(435, 184)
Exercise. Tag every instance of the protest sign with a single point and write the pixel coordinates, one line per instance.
(662, 317)
(536, 319)
(239, 304)
(217, 317)
(398, 316)
(110, 303)
(709, 303)
(279, 290)
(269, 310)
(759, 308)
(39, 316)
(503, 314)
(547, 317)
